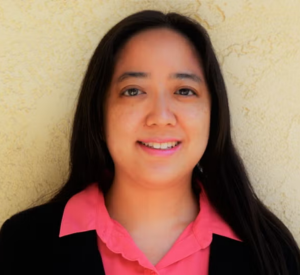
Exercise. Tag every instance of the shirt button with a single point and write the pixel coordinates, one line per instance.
(150, 272)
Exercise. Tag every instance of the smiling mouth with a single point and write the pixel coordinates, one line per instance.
(161, 146)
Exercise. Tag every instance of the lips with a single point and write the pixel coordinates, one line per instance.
(159, 140)
(160, 149)
(160, 146)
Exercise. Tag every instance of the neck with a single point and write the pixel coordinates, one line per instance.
(139, 208)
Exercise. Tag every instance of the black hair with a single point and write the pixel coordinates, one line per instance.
(224, 176)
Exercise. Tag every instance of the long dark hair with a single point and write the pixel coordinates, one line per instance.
(224, 176)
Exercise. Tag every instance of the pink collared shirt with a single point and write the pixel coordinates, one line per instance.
(189, 255)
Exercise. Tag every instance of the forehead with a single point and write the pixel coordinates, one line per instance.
(158, 49)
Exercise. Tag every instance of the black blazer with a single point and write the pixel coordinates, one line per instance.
(29, 244)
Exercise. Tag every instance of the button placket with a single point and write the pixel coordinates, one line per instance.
(149, 272)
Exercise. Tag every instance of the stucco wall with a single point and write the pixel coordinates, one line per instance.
(45, 47)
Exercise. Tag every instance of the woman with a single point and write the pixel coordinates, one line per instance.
(156, 185)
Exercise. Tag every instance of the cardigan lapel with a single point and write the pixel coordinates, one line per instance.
(78, 254)
(228, 256)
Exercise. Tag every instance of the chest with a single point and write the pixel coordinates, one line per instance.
(155, 245)
(80, 253)
(154, 250)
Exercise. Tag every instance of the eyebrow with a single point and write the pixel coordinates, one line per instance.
(132, 74)
(190, 76)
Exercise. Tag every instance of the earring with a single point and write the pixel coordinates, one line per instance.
(200, 168)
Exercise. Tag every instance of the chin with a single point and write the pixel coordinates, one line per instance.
(159, 179)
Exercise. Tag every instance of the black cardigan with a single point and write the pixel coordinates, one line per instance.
(29, 244)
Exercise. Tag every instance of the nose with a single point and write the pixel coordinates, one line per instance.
(161, 112)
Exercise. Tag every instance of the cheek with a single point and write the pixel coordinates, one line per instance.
(197, 128)
(197, 118)
(122, 123)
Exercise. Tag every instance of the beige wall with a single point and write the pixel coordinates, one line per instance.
(45, 47)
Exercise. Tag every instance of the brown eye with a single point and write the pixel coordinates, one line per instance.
(132, 92)
(185, 92)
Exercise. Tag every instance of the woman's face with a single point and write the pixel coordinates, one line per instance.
(158, 98)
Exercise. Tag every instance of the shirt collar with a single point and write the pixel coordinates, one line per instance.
(83, 209)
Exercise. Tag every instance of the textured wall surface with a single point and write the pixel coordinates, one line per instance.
(44, 50)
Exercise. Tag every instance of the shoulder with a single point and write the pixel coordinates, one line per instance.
(30, 243)
(30, 234)
(230, 256)
(36, 220)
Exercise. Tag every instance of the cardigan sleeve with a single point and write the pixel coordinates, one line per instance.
(7, 248)
(27, 240)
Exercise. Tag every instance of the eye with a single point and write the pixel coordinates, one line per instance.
(185, 92)
(132, 92)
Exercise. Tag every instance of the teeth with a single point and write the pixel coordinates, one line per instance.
(162, 146)
(156, 145)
